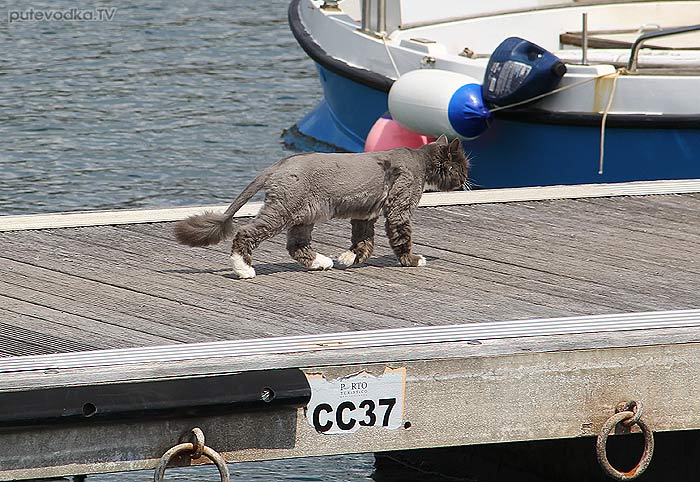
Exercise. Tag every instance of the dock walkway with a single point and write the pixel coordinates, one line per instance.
(131, 286)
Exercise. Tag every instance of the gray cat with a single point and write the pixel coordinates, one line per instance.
(309, 188)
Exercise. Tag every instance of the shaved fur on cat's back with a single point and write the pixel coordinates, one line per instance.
(308, 188)
(340, 185)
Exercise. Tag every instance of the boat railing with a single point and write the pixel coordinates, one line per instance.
(637, 45)
(379, 27)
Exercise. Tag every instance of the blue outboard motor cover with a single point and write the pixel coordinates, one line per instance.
(519, 70)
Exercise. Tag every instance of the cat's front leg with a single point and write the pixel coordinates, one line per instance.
(402, 200)
(362, 242)
(399, 235)
(399, 232)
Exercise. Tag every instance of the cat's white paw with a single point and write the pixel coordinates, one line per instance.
(240, 268)
(321, 262)
(347, 259)
(421, 260)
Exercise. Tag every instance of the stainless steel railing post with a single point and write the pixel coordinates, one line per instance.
(366, 15)
(379, 28)
(584, 40)
(381, 17)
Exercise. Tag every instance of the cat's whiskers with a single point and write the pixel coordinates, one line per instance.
(469, 185)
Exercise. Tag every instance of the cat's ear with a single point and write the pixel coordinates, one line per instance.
(453, 150)
(441, 141)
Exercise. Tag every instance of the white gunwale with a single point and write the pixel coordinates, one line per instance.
(504, 195)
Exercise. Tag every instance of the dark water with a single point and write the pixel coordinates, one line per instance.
(351, 468)
(170, 103)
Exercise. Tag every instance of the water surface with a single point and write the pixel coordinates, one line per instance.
(170, 103)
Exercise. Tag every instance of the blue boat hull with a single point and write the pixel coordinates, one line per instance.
(342, 120)
(514, 152)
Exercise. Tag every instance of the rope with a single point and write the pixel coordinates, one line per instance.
(557, 90)
(615, 75)
(391, 57)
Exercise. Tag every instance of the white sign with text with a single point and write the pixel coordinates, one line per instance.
(362, 400)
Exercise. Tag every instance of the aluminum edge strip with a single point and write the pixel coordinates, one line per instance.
(362, 339)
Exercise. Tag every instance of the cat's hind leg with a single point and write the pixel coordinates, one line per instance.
(248, 237)
(362, 242)
(299, 247)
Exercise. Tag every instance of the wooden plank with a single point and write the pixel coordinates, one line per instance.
(122, 329)
(26, 335)
(101, 218)
(617, 284)
(485, 288)
(375, 295)
(453, 290)
(211, 291)
(369, 292)
(608, 249)
(568, 219)
(484, 268)
(625, 323)
(654, 216)
(564, 256)
(677, 202)
(119, 306)
(647, 218)
(84, 260)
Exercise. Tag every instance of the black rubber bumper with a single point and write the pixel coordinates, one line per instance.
(176, 397)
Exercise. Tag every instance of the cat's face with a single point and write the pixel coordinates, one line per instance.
(450, 168)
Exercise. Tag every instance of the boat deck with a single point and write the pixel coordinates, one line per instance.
(123, 286)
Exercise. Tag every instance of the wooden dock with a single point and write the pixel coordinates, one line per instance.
(609, 274)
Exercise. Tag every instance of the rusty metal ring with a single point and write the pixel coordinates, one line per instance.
(631, 406)
(213, 455)
(601, 449)
(198, 443)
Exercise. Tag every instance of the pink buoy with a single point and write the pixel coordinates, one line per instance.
(386, 134)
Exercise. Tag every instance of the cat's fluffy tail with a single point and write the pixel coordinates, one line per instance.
(210, 227)
(203, 229)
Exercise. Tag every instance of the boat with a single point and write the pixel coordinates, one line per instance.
(627, 108)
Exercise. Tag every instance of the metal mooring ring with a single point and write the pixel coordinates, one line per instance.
(601, 449)
(191, 448)
(631, 406)
(198, 443)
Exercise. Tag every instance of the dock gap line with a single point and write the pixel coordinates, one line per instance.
(359, 339)
(485, 196)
